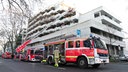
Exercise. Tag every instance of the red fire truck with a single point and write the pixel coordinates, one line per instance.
(7, 55)
(31, 54)
(84, 51)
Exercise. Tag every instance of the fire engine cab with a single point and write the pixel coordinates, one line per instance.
(83, 51)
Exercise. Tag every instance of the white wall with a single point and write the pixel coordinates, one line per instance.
(126, 49)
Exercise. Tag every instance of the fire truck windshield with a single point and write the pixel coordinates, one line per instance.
(99, 44)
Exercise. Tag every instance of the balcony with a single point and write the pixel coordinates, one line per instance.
(109, 21)
(34, 34)
(34, 19)
(32, 30)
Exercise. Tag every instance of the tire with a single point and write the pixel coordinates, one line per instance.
(49, 61)
(82, 62)
(95, 65)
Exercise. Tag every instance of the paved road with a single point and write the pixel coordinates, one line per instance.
(9, 65)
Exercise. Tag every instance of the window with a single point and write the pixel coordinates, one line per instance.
(87, 43)
(70, 44)
(77, 44)
(75, 20)
(120, 39)
(32, 52)
(52, 8)
(67, 22)
(111, 36)
(96, 15)
(39, 52)
(94, 30)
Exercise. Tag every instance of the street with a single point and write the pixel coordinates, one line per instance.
(9, 65)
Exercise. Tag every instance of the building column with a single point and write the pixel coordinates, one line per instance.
(121, 51)
(99, 13)
(109, 49)
(101, 33)
(115, 51)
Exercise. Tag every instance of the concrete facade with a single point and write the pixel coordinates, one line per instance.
(54, 18)
(98, 22)
(126, 49)
(106, 26)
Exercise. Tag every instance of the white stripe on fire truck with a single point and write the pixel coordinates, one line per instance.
(77, 56)
(76, 48)
(71, 56)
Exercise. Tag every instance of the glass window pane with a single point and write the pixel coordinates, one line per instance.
(77, 44)
(87, 43)
(70, 44)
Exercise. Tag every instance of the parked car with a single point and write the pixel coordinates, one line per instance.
(123, 58)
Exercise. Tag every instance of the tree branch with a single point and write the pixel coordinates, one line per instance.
(18, 6)
(2, 4)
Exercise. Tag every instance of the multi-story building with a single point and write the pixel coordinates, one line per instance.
(66, 23)
(102, 23)
(54, 19)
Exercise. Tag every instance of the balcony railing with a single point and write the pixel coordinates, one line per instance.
(110, 21)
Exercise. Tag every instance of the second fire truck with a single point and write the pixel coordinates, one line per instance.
(31, 54)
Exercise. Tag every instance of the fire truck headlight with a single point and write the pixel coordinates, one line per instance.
(97, 60)
(91, 60)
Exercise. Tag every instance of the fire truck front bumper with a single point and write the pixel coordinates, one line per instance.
(33, 59)
(102, 60)
(98, 60)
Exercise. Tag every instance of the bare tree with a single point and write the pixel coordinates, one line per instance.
(16, 14)
(2, 40)
(11, 26)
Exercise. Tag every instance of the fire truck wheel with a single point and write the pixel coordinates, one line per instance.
(82, 62)
(95, 65)
(50, 60)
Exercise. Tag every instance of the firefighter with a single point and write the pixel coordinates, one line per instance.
(56, 56)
